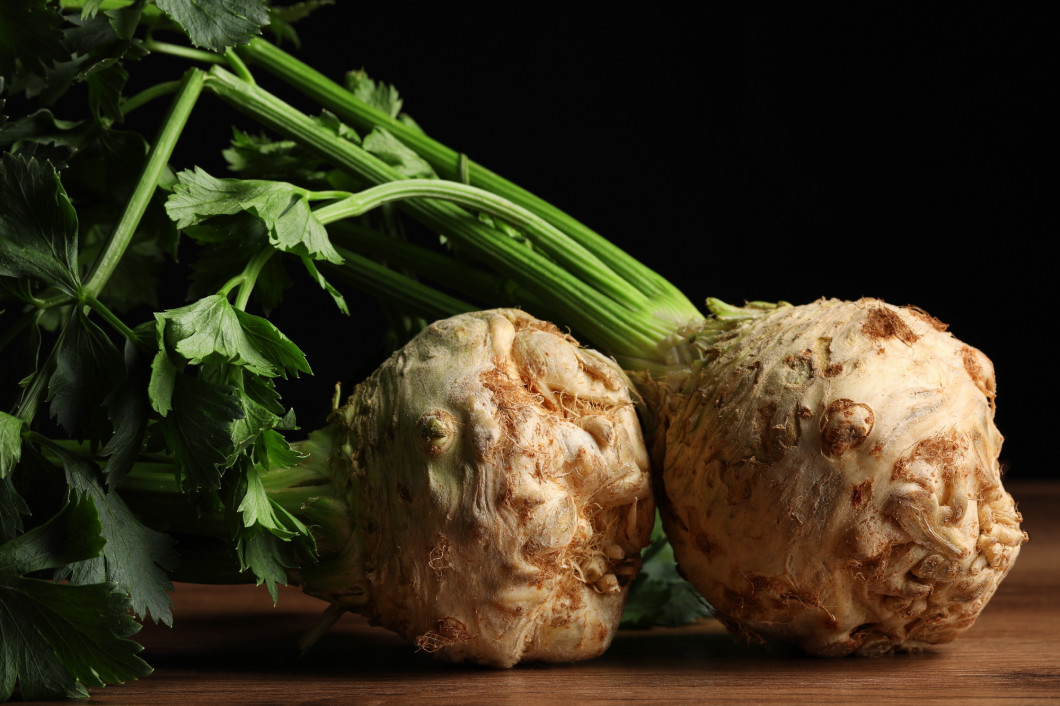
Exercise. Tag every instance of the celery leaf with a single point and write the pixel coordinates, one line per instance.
(134, 557)
(270, 342)
(127, 406)
(259, 509)
(259, 157)
(198, 428)
(381, 96)
(87, 365)
(38, 225)
(212, 328)
(283, 207)
(336, 295)
(217, 24)
(59, 638)
(275, 452)
(30, 40)
(398, 155)
(10, 442)
(263, 554)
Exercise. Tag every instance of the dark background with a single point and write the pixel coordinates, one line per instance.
(765, 155)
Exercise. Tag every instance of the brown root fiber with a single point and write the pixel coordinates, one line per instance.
(880, 524)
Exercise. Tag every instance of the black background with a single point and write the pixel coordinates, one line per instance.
(765, 155)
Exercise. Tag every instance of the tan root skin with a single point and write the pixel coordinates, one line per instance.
(498, 486)
(832, 480)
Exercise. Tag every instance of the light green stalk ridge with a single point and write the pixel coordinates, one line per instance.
(397, 253)
(577, 260)
(412, 296)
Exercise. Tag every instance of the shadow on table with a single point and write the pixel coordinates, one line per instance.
(268, 644)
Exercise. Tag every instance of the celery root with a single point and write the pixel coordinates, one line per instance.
(485, 494)
(831, 477)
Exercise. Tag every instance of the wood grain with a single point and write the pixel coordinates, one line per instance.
(230, 645)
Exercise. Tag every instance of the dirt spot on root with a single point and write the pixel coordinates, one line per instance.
(980, 374)
(861, 492)
(845, 424)
(942, 452)
(881, 322)
(927, 318)
(448, 631)
(705, 544)
(832, 370)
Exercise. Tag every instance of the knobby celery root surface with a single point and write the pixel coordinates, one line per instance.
(831, 478)
(497, 489)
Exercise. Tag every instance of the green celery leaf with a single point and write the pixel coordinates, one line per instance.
(275, 452)
(27, 657)
(259, 509)
(198, 429)
(257, 417)
(163, 376)
(330, 121)
(383, 97)
(87, 628)
(87, 366)
(266, 556)
(282, 206)
(135, 557)
(289, 422)
(90, 45)
(10, 442)
(397, 154)
(104, 92)
(127, 406)
(71, 536)
(38, 225)
(659, 596)
(30, 40)
(336, 295)
(126, 20)
(210, 329)
(57, 638)
(12, 508)
(41, 128)
(241, 231)
(218, 24)
(260, 157)
(279, 350)
(281, 18)
(262, 391)
(264, 413)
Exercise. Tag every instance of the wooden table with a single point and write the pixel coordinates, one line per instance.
(230, 645)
